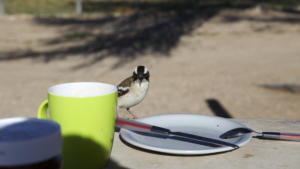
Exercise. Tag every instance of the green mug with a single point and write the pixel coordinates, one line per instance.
(86, 112)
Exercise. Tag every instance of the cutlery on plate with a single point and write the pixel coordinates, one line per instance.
(144, 127)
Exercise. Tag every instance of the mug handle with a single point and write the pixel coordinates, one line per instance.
(42, 111)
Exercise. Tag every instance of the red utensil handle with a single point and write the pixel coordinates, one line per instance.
(290, 136)
(282, 136)
(139, 126)
(132, 125)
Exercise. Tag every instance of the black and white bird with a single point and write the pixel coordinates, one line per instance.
(133, 89)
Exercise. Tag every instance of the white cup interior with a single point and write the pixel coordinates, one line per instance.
(82, 89)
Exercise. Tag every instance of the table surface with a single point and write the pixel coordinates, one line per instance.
(258, 153)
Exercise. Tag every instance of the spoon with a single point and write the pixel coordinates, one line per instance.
(237, 132)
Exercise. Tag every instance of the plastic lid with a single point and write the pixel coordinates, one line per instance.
(28, 140)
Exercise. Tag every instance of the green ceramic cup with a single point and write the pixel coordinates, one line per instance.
(86, 112)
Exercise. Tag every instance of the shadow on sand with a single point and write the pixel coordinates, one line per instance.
(217, 108)
(126, 37)
(155, 30)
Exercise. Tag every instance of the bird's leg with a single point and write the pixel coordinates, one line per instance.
(133, 116)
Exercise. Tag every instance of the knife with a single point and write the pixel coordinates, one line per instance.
(142, 127)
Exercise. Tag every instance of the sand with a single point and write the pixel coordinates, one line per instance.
(195, 64)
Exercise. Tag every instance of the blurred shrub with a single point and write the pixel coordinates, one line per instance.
(108, 6)
(39, 6)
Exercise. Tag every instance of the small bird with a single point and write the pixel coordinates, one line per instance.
(133, 89)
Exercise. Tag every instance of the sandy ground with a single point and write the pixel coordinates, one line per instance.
(224, 60)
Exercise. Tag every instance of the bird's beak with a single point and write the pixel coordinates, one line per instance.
(140, 79)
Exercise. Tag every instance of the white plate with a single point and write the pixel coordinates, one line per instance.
(202, 125)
